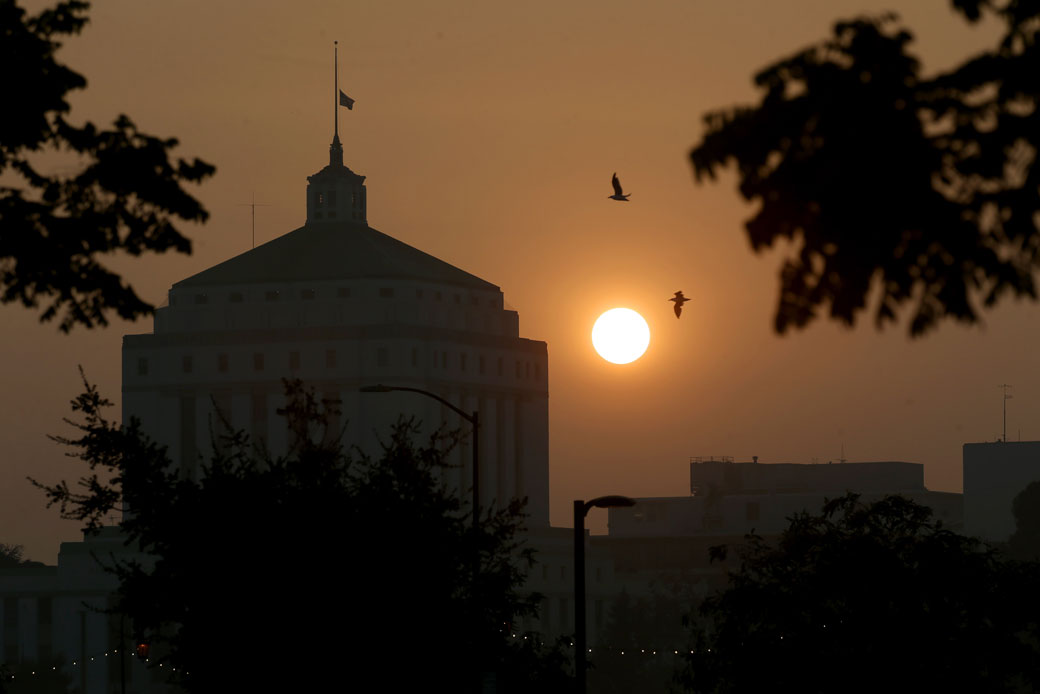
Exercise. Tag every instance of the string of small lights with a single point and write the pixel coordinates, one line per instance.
(624, 651)
(80, 661)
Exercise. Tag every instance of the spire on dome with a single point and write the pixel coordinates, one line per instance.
(336, 152)
(336, 194)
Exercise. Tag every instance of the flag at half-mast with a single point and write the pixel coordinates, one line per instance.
(345, 100)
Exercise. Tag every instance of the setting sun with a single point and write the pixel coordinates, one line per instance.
(620, 335)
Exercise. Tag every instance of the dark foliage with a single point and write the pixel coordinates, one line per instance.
(1024, 543)
(318, 569)
(124, 198)
(891, 186)
(870, 598)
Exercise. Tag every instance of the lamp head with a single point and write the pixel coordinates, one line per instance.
(378, 388)
(612, 501)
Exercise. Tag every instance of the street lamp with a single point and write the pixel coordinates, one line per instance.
(473, 418)
(581, 509)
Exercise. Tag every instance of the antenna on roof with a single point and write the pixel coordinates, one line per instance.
(1005, 387)
(254, 204)
(842, 458)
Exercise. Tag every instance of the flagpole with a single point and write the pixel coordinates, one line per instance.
(335, 92)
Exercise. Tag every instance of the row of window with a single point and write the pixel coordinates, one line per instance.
(523, 369)
(329, 198)
(341, 293)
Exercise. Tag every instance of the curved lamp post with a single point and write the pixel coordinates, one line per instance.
(581, 509)
(473, 418)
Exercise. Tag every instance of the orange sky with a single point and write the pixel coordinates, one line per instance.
(488, 133)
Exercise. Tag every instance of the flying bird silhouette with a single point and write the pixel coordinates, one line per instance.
(618, 195)
(679, 300)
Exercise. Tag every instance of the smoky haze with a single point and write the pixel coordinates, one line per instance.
(488, 134)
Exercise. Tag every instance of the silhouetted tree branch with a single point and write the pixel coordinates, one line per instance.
(124, 198)
(321, 568)
(893, 188)
(867, 598)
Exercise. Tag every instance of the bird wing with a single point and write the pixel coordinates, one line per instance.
(617, 185)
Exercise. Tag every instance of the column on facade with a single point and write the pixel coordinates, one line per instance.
(507, 447)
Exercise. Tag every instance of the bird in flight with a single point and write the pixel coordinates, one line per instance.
(679, 300)
(618, 195)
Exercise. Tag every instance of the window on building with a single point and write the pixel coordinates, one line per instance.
(444, 360)
(386, 292)
(519, 368)
(418, 293)
(332, 199)
(236, 297)
(415, 356)
(201, 299)
(563, 572)
(599, 574)
(537, 370)
(438, 296)
(475, 300)
(598, 614)
(527, 369)
(306, 294)
(294, 361)
(752, 510)
(545, 572)
(458, 299)
(462, 362)
(500, 366)
(186, 364)
(330, 359)
(321, 199)
(271, 296)
(258, 361)
(222, 363)
(142, 366)
(343, 293)
(382, 357)
(480, 364)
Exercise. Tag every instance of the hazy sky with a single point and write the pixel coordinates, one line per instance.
(488, 132)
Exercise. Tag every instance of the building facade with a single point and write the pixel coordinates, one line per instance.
(731, 499)
(340, 305)
(994, 473)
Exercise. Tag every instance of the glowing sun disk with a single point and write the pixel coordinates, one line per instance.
(620, 335)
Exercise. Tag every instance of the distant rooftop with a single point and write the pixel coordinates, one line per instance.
(727, 477)
(333, 251)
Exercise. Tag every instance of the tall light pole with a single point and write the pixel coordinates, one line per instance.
(473, 418)
(581, 509)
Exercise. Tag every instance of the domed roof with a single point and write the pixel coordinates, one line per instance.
(333, 251)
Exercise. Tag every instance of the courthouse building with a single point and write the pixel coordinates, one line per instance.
(338, 305)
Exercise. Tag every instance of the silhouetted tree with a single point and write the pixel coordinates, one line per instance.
(12, 556)
(1024, 543)
(123, 198)
(869, 598)
(889, 185)
(312, 570)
